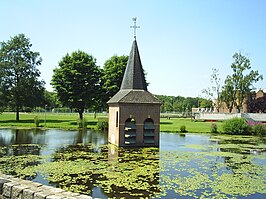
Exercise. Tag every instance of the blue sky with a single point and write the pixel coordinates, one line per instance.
(179, 41)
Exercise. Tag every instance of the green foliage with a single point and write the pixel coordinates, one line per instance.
(259, 129)
(182, 104)
(62, 110)
(113, 71)
(236, 126)
(51, 100)
(102, 123)
(149, 172)
(36, 121)
(228, 94)
(183, 128)
(214, 128)
(82, 123)
(19, 77)
(77, 81)
(239, 84)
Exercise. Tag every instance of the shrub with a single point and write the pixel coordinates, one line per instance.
(183, 128)
(37, 121)
(236, 126)
(102, 123)
(259, 129)
(214, 128)
(82, 123)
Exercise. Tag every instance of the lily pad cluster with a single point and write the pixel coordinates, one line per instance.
(226, 168)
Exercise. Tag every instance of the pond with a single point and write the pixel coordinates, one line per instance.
(185, 165)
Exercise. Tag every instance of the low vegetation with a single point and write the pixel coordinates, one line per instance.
(238, 126)
(235, 126)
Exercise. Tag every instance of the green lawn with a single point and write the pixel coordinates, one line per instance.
(48, 120)
(174, 124)
(69, 121)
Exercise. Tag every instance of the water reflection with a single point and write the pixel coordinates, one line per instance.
(185, 165)
(50, 139)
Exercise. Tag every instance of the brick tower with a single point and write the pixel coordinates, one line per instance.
(134, 113)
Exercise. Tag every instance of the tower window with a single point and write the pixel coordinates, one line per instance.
(116, 119)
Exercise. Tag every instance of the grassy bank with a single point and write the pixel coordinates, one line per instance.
(69, 121)
(174, 124)
(48, 120)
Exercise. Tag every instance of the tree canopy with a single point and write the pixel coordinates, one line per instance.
(113, 71)
(19, 77)
(182, 104)
(77, 81)
(239, 84)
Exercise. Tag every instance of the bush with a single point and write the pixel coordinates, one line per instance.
(183, 128)
(259, 129)
(102, 123)
(37, 121)
(214, 128)
(236, 126)
(82, 123)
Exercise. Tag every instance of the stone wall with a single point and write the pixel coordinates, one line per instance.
(257, 117)
(14, 188)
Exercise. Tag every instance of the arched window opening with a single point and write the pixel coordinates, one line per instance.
(130, 131)
(148, 131)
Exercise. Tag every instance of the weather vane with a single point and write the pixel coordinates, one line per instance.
(135, 26)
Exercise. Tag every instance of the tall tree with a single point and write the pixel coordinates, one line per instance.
(113, 71)
(213, 93)
(228, 94)
(19, 76)
(241, 81)
(77, 81)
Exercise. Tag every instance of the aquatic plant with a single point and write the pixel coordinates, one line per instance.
(82, 123)
(36, 121)
(259, 129)
(102, 123)
(183, 129)
(224, 168)
(214, 128)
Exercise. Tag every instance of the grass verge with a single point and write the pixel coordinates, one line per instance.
(69, 121)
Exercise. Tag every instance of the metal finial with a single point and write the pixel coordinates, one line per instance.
(134, 26)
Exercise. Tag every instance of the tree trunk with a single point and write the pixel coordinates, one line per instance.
(80, 114)
(17, 114)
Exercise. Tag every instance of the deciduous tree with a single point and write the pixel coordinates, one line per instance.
(239, 84)
(77, 81)
(19, 76)
(113, 71)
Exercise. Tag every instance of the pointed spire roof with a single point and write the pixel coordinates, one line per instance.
(134, 87)
(134, 75)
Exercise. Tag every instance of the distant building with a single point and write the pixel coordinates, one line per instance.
(134, 113)
(254, 103)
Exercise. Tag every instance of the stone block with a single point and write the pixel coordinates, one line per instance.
(2, 182)
(41, 195)
(55, 197)
(69, 194)
(17, 191)
(28, 194)
(7, 189)
(84, 197)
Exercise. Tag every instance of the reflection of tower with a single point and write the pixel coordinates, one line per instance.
(112, 153)
(134, 113)
(132, 172)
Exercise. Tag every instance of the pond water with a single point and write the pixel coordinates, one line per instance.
(185, 165)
